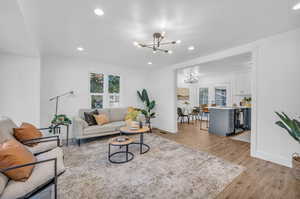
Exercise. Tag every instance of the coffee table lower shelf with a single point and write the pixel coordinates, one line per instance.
(128, 155)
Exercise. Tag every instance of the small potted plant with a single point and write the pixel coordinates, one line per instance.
(292, 126)
(59, 120)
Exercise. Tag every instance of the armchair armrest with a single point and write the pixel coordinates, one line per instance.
(43, 139)
(30, 164)
(39, 162)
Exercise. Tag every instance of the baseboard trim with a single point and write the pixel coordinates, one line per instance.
(162, 131)
(275, 159)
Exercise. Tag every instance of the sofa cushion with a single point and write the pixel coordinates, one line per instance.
(117, 114)
(6, 129)
(101, 119)
(89, 117)
(105, 111)
(42, 147)
(41, 174)
(82, 111)
(118, 125)
(13, 153)
(99, 129)
(27, 132)
(3, 182)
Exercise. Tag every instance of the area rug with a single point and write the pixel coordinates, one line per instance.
(244, 137)
(168, 170)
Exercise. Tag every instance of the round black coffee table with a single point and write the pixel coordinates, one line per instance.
(141, 131)
(120, 141)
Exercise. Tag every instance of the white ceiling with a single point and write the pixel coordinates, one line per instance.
(14, 35)
(237, 63)
(59, 26)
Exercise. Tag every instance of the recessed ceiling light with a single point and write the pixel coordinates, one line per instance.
(297, 6)
(99, 12)
(178, 41)
(170, 51)
(79, 48)
(149, 63)
(191, 48)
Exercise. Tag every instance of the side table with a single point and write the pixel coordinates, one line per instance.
(120, 141)
(56, 130)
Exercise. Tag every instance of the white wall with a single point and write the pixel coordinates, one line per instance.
(234, 82)
(61, 74)
(20, 88)
(162, 87)
(276, 85)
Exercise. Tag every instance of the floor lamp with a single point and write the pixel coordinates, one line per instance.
(56, 98)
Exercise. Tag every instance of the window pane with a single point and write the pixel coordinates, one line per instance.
(220, 96)
(97, 101)
(96, 83)
(113, 84)
(114, 100)
(203, 96)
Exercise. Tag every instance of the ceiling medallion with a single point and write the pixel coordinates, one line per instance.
(157, 43)
(191, 78)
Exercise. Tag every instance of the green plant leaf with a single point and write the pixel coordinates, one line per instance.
(144, 112)
(291, 126)
(140, 96)
(146, 97)
(151, 105)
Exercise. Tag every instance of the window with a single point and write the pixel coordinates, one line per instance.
(203, 96)
(96, 90)
(114, 90)
(220, 96)
(104, 91)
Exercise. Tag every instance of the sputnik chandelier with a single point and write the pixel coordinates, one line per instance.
(157, 43)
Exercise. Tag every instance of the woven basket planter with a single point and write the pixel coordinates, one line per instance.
(296, 165)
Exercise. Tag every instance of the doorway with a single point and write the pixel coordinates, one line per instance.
(215, 89)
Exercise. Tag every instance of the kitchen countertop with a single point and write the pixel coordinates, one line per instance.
(228, 107)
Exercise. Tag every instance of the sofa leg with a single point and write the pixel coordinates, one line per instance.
(78, 142)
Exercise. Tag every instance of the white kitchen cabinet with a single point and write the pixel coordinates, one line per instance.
(243, 84)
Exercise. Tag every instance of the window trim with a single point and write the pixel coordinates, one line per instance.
(105, 93)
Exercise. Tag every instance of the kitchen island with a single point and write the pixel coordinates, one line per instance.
(226, 121)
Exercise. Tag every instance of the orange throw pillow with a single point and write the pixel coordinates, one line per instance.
(13, 153)
(101, 119)
(27, 132)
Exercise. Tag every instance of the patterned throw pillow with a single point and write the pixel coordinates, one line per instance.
(101, 119)
(89, 117)
(132, 113)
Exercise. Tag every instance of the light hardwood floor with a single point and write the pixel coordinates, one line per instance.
(262, 179)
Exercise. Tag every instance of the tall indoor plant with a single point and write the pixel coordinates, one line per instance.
(292, 126)
(149, 105)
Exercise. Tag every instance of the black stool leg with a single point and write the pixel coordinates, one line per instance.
(127, 153)
(141, 142)
(108, 151)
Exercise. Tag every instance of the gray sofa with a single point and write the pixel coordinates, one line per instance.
(116, 117)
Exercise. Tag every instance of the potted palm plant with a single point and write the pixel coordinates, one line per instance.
(292, 126)
(149, 106)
